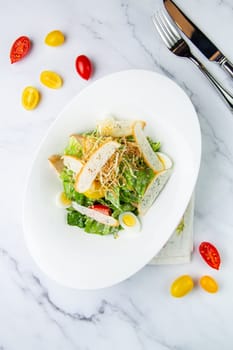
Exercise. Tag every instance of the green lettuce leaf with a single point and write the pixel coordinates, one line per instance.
(128, 196)
(74, 218)
(81, 199)
(113, 197)
(67, 178)
(154, 145)
(74, 148)
(143, 179)
(93, 226)
(136, 184)
(130, 179)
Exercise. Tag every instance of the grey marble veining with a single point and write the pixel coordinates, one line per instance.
(138, 314)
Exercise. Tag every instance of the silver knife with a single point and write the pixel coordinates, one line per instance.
(197, 37)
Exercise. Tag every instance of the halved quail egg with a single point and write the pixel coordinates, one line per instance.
(165, 160)
(62, 201)
(129, 221)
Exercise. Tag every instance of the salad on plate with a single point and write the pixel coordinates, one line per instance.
(110, 176)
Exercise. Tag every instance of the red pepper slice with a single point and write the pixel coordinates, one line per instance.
(20, 49)
(103, 209)
(210, 254)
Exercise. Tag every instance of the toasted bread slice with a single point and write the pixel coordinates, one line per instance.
(72, 163)
(153, 190)
(96, 215)
(57, 163)
(93, 166)
(116, 128)
(150, 157)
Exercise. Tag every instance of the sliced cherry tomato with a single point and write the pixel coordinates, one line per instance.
(83, 66)
(210, 254)
(103, 209)
(20, 49)
(51, 79)
(30, 98)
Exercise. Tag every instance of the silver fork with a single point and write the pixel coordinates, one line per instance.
(179, 47)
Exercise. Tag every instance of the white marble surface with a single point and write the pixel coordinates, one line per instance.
(138, 314)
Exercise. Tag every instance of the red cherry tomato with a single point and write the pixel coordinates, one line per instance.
(20, 49)
(210, 254)
(83, 66)
(103, 209)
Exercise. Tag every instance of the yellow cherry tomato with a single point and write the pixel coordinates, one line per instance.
(54, 38)
(95, 191)
(181, 286)
(30, 98)
(51, 79)
(209, 284)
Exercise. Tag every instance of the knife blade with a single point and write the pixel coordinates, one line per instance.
(198, 38)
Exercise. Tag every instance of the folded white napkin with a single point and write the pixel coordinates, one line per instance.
(179, 247)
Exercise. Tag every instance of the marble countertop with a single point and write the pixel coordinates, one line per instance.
(139, 313)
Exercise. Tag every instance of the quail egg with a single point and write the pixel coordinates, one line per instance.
(129, 221)
(62, 201)
(166, 161)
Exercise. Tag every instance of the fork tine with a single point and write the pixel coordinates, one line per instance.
(161, 31)
(171, 26)
(166, 29)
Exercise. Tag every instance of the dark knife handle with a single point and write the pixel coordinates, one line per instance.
(227, 65)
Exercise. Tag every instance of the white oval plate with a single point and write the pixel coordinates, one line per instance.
(86, 261)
